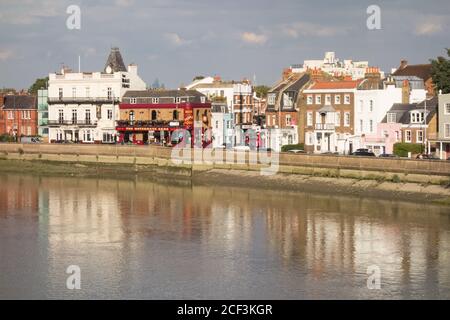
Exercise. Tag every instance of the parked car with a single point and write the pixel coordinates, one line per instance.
(363, 153)
(424, 156)
(297, 151)
(242, 148)
(387, 155)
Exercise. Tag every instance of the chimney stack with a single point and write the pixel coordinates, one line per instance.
(406, 90)
(403, 64)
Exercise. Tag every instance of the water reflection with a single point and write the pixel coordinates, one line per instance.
(138, 239)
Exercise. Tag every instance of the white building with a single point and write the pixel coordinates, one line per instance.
(222, 125)
(83, 106)
(332, 65)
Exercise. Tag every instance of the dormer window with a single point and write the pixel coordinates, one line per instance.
(417, 117)
(155, 100)
(309, 99)
(203, 99)
(177, 100)
(391, 118)
(133, 100)
(271, 99)
(318, 99)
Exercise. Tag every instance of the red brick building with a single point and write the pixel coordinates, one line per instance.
(18, 115)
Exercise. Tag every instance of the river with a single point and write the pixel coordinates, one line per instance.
(138, 239)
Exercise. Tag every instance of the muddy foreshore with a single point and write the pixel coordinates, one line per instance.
(435, 194)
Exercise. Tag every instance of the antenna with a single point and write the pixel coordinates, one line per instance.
(79, 63)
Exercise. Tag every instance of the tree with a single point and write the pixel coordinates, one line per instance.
(40, 83)
(198, 78)
(261, 91)
(440, 72)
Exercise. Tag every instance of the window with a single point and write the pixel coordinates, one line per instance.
(288, 120)
(61, 116)
(309, 119)
(391, 118)
(271, 99)
(397, 136)
(309, 138)
(408, 136)
(337, 119)
(371, 106)
(419, 136)
(29, 131)
(361, 125)
(109, 93)
(133, 100)
(88, 92)
(318, 99)
(309, 99)
(88, 117)
(347, 99)
(10, 115)
(60, 93)
(347, 119)
(447, 130)
(417, 117)
(74, 92)
(154, 115)
(109, 114)
(74, 116)
(447, 108)
(155, 100)
(371, 125)
(177, 100)
(328, 99)
(361, 105)
(203, 99)
(337, 99)
(175, 115)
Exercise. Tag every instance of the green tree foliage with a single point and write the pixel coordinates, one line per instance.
(40, 83)
(261, 91)
(402, 149)
(440, 72)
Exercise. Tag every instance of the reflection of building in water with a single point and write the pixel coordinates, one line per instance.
(347, 235)
(18, 195)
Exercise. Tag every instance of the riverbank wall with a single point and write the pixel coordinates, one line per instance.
(429, 178)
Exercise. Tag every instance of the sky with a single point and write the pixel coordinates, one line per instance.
(176, 40)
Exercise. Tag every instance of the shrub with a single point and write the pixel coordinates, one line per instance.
(396, 179)
(402, 149)
(287, 147)
(7, 138)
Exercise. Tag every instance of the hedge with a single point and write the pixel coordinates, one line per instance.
(7, 138)
(298, 146)
(402, 149)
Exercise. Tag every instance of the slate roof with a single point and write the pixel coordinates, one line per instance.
(402, 110)
(22, 102)
(344, 84)
(422, 71)
(194, 95)
(115, 61)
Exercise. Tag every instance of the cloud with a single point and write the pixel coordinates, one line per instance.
(430, 26)
(23, 12)
(176, 39)
(6, 54)
(253, 38)
(305, 29)
(124, 3)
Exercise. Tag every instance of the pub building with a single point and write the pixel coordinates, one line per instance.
(152, 116)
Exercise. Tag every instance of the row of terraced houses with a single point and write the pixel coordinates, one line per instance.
(328, 105)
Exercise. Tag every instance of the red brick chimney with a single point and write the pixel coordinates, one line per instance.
(403, 64)
(286, 73)
(406, 90)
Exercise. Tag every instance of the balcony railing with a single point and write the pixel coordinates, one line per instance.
(83, 100)
(72, 123)
(149, 123)
(324, 126)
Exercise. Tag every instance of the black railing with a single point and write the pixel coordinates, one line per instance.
(82, 100)
(71, 123)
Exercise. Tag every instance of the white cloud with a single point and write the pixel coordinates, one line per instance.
(305, 29)
(253, 38)
(25, 12)
(176, 39)
(124, 3)
(6, 54)
(430, 25)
